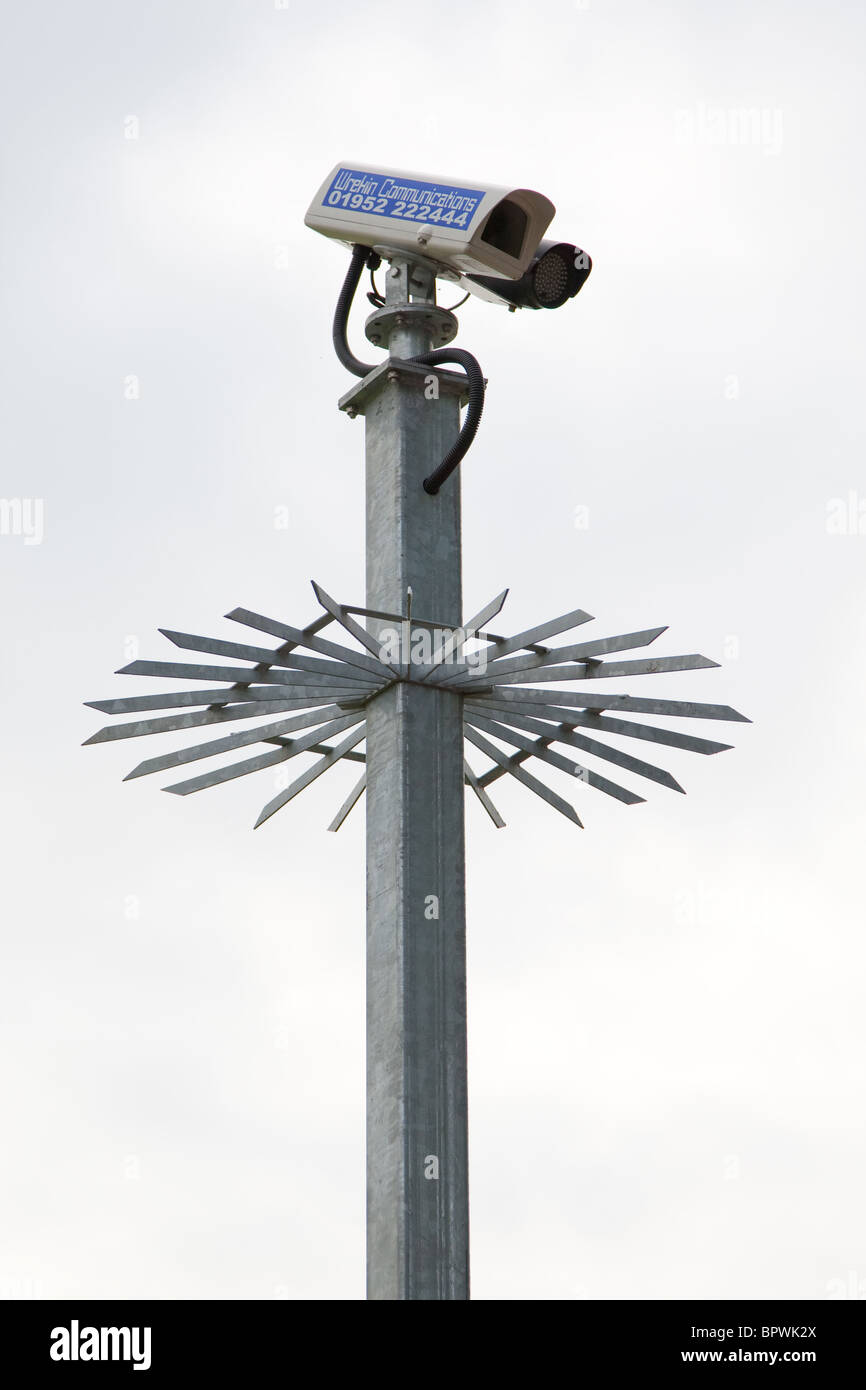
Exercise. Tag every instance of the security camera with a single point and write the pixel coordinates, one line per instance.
(464, 226)
(556, 273)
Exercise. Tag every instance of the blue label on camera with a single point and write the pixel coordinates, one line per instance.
(387, 195)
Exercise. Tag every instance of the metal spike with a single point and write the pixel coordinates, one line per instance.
(593, 671)
(263, 760)
(521, 776)
(533, 635)
(473, 782)
(309, 776)
(303, 639)
(180, 670)
(683, 709)
(577, 651)
(541, 750)
(564, 734)
(354, 796)
(458, 636)
(179, 699)
(170, 723)
(284, 656)
(354, 629)
(263, 733)
(601, 724)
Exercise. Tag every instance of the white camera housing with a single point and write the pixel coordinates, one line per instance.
(462, 224)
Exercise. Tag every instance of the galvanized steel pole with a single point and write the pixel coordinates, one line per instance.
(417, 1131)
(417, 1126)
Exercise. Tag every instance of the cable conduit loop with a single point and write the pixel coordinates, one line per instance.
(475, 379)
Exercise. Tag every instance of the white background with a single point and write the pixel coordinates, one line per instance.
(666, 1027)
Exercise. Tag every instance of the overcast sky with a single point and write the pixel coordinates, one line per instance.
(666, 1028)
